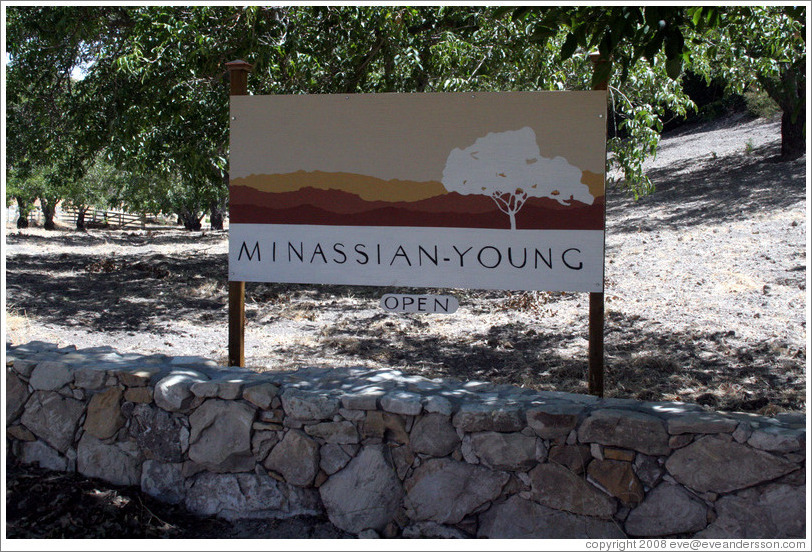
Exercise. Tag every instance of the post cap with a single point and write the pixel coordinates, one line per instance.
(239, 65)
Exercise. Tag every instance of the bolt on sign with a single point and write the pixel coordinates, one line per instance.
(499, 190)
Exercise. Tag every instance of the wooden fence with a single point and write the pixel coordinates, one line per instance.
(113, 218)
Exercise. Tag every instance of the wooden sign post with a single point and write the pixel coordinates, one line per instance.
(596, 303)
(238, 78)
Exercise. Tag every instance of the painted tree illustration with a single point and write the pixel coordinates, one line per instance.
(508, 167)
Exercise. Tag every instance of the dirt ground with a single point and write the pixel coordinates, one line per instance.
(706, 287)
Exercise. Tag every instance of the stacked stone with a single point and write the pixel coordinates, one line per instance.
(393, 455)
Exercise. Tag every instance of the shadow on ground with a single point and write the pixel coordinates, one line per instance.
(119, 292)
(133, 293)
(641, 362)
(714, 191)
(160, 236)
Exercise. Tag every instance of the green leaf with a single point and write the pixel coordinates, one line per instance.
(543, 33)
(695, 14)
(520, 13)
(501, 11)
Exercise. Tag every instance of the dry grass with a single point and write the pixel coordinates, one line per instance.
(19, 326)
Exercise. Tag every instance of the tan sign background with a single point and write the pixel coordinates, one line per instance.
(406, 136)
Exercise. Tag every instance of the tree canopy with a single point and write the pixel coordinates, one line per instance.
(153, 100)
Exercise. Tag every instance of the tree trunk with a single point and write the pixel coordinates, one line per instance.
(48, 211)
(793, 141)
(190, 220)
(23, 208)
(80, 218)
(790, 94)
(216, 215)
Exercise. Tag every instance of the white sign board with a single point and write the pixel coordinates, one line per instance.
(487, 190)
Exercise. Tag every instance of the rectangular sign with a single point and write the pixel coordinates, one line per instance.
(443, 304)
(470, 190)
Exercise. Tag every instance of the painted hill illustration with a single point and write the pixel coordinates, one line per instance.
(345, 199)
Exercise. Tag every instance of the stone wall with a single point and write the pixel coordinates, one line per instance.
(401, 455)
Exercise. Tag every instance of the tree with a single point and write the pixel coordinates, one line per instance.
(508, 167)
(741, 44)
(96, 188)
(23, 191)
(759, 44)
(45, 146)
(155, 92)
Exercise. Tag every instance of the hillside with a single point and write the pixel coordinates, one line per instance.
(335, 207)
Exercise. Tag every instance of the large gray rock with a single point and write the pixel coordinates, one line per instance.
(220, 437)
(719, 465)
(439, 405)
(89, 377)
(137, 377)
(163, 481)
(24, 366)
(16, 395)
(365, 494)
(445, 490)
(738, 518)
(402, 402)
(701, 422)
(365, 398)
(785, 505)
(304, 405)
(262, 442)
(227, 390)
(158, 433)
(261, 395)
(50, 376)
(118, 463)
(385, 425)
(667, 510)
(403, 458)
(775, 511)
(37, 452)
(505, 451)
(555, 486)
(342, 433)
(248, 496)
(517, 518)
(648, 469)
(332, 458)
(573, 457)
(53, 418)
(296, 458)
(625, 429)
(554, 421)
(433, 434)
(432, 530)
(173, 393)
(778, 439)
(104, 417)
(489, 417)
